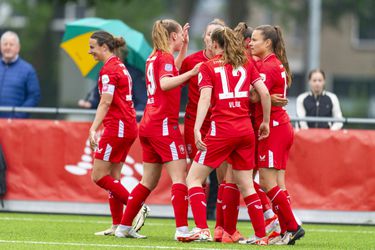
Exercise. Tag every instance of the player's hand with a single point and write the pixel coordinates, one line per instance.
(278, 100)
(201, 146)
(195, 70)
(93, 141)
(264, 130)
(185, 33)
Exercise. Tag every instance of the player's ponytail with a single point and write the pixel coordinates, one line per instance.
(160, 33)
(280, 51)
(234, 53)
(243, 31)
(278, 46)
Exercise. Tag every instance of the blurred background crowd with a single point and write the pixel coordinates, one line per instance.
(342, 42)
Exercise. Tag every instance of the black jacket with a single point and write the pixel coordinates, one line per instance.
(323, 105)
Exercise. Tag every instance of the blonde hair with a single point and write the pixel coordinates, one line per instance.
(215, 22)
(278, 46)
(160, 33)
(234, 52)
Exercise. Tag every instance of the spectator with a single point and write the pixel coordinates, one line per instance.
(318, 102)
(19, 85)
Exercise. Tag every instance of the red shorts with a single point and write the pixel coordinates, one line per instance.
(113, 149)
(273, 152)
(189, 136)
(161, 149)
(240, 150)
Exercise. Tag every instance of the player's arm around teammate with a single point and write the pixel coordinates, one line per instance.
(160, 137)
(225, 83)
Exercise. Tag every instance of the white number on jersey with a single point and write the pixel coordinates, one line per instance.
(151, 85)
(283, 75)
(224, 81)
(126, 73)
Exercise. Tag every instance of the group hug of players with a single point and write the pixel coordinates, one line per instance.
(234, 122)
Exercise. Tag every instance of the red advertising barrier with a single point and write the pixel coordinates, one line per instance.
(51, 161)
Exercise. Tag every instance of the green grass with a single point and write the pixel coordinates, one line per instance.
(43, 231)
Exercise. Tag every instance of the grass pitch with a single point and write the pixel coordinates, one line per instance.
(44, 231)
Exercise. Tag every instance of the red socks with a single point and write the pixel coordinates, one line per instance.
(231, 202)
(180, 204)
(115, 187)
(255, 211)
(136, 200)
(281, 203)
(288, 196)
(116, 208)
(198, 205)
(219, 206)
(262, 196)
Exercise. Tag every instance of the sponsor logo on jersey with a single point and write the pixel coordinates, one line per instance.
(263, 76)
(168, 67)
(105, 79)
(262, 157)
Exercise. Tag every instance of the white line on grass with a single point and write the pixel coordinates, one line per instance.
(69, 221)
(339, 231)
(97, 245)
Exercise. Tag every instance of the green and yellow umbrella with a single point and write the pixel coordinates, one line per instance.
(76, 43)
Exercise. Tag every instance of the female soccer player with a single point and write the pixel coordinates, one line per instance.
(160, 137)
(117, 114)
(244, 31)
(191, 113)
(224, 83)
(267, 43)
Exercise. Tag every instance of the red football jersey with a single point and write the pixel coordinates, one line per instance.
(120, 120)
(161, 113)
(275, 78)
(193, 89)
(230, 96)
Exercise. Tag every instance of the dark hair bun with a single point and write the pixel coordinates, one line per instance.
(119, 42)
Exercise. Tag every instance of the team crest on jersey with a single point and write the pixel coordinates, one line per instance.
(168, 67)
(263, 76)
(105, 79)
(182, 149)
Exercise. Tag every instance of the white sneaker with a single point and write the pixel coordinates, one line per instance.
(254, 240)
(108, 232)
(290, 238)
(181, 234)
(128, 233)
(140, 219)
(197, 234)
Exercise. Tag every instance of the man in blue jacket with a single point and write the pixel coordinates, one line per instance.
(19, 85)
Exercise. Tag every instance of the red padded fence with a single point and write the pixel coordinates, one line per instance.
(51, 161)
